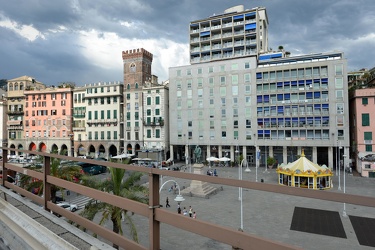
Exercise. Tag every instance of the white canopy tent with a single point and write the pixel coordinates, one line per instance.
(122, 156)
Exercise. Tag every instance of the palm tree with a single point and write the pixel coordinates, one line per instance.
(128, 188)
(70, 173)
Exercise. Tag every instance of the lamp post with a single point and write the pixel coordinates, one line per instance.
(257, 162)
(339, 188)
(240, 189)
(71, 144)
(265, 160)
(179, 197)
(344, 210)
(239, 172)
(187, 155)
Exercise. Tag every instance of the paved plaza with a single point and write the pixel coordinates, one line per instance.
(266, 215)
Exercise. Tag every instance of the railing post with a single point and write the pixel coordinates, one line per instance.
(5, 172)
(46, 185)
(154, 202)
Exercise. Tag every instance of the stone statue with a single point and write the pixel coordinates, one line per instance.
(197, 153)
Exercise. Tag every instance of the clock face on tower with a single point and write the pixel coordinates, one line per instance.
(133, 67)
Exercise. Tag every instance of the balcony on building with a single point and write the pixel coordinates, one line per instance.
(15, 112)
(155, 122)
(14, 125)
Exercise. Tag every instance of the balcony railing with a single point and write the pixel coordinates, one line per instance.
(15, 112)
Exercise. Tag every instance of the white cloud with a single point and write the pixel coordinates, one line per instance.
(26, 31)
(105, 51)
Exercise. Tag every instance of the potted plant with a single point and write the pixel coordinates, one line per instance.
(270, 162)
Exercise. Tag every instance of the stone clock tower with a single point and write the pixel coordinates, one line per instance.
(137, 72)
(137, 68)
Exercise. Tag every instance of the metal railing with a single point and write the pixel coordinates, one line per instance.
(153, 211)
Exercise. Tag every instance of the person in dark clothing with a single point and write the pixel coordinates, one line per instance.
(167, 203)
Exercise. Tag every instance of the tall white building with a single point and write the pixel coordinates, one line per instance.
(235, 33)
(236, 104)
(103, 118)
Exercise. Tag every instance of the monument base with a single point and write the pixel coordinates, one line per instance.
(199, 188)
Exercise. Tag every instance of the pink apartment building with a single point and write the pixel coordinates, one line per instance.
(362, 106)
(48, 120)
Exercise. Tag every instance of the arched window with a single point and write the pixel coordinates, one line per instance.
(128, 87)
(136, 85)
(21, 86)
(10, 88)
(16, 86)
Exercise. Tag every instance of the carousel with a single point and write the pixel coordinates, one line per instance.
(304, 174)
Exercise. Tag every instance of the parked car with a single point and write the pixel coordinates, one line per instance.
(68, 206)
(92, 169)
(9, 178)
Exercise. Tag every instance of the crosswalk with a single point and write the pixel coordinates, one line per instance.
(76, 199)
(80, 201)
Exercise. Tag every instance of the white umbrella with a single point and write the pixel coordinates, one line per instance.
(137, 159)
(122, 156)
(212, 159)
(224, 159)
(147, 159)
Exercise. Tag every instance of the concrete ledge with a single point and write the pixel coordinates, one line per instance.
(31, 232)
(53, 224)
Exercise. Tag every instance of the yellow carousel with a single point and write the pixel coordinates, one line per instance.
(304, 174)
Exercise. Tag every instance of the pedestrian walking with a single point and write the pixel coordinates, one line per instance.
(190, 211)
(167, 203)
(184, 212)
(179, 210)
(194, 215)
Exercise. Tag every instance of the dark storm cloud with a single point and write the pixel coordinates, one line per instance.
(43, 15)
(301, 26)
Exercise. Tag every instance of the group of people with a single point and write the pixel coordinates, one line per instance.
(214, 173)
(185, 212)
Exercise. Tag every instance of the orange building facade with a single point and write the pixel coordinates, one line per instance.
(48, 120)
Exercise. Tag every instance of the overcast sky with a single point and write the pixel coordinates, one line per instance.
(81, 40)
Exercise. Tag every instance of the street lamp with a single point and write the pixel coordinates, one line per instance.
(339, 188)
(179, 197)
(265, 160)
(71, 144)
(257, 162)
(240, 189)
(344, 211)
(187, 155)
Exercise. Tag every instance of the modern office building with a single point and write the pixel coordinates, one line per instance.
(235, 33)
(236, 105)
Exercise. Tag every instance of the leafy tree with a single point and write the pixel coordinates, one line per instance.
(119, 185)
(3, 83)
(66, 85)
